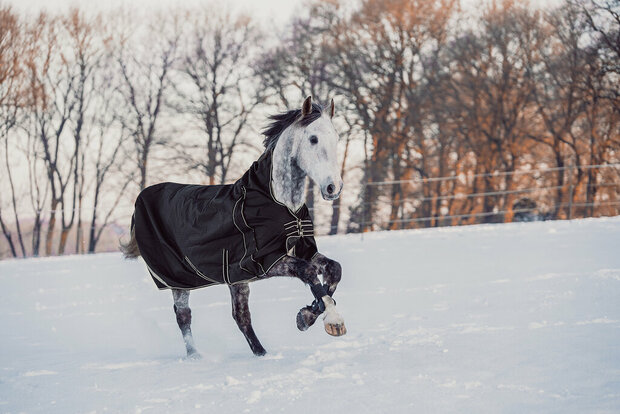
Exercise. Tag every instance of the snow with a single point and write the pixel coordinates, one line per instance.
(493, 318)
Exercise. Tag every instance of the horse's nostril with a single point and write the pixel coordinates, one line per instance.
(331, 188)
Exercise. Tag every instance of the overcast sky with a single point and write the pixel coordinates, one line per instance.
(269, 11)
(266, 10)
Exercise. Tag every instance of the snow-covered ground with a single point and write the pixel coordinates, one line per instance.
(513, 318)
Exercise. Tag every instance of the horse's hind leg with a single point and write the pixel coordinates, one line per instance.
(240, 294)
(184, 319)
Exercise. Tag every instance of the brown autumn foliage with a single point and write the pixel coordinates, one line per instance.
(516, 89)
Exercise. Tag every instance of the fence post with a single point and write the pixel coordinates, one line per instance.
(571, 190)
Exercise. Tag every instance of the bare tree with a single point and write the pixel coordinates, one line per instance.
(11, 99)
(38, 186)
(85, 49)
(555, 61)
(491, 87)
(216, 89)
(301, 65)
(51, 94)
(145, 61)
(107, 153)
(377, 53)
(603, 18)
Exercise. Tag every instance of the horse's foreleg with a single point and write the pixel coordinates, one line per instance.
(308, 272)
(331, 271)
(184, 320)
(240, 294)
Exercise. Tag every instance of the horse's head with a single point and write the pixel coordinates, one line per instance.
(304, 143)
(315, 144)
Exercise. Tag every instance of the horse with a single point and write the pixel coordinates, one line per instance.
(193, 236)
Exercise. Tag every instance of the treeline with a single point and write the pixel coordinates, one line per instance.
(96, 107)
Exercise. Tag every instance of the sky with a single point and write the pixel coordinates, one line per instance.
(265, 10)
(268, 11)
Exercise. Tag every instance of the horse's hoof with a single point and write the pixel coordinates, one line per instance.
(334, 323)
(335, 329)
(194, 355)
(305, 318)
(302, 325)
(260, 352)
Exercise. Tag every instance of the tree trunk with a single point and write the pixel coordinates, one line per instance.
(333, 229)
(487, 203)
(50, 229)
(36, 235)
(395, 202)
(427, 205)
(93, 224)
(333, 226)
(591, 189)
(559, 182)
(142, 167)
(14, 202)
(9, 237)
(64, 234)
(437, 195)
(508, 198)
(91, 235)
(79, 235)
(468, 208)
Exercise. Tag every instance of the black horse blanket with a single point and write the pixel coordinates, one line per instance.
(193, 236)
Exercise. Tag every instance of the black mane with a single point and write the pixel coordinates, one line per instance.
(283, 120)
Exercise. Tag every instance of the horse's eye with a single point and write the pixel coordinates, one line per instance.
(314, 140)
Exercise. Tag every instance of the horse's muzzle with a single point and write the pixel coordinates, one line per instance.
(330, 192)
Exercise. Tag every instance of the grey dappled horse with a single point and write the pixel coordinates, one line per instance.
(303, 143)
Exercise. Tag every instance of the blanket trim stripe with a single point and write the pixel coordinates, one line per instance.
(245, 244)
(250, 228)
(156, 276)
(245, 247)
(199, 273)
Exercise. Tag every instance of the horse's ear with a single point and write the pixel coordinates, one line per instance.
(331, 108)
(306, 107)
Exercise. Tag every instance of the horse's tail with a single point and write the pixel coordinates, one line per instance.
(130, 249)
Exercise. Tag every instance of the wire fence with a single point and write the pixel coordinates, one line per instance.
(526, 195)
